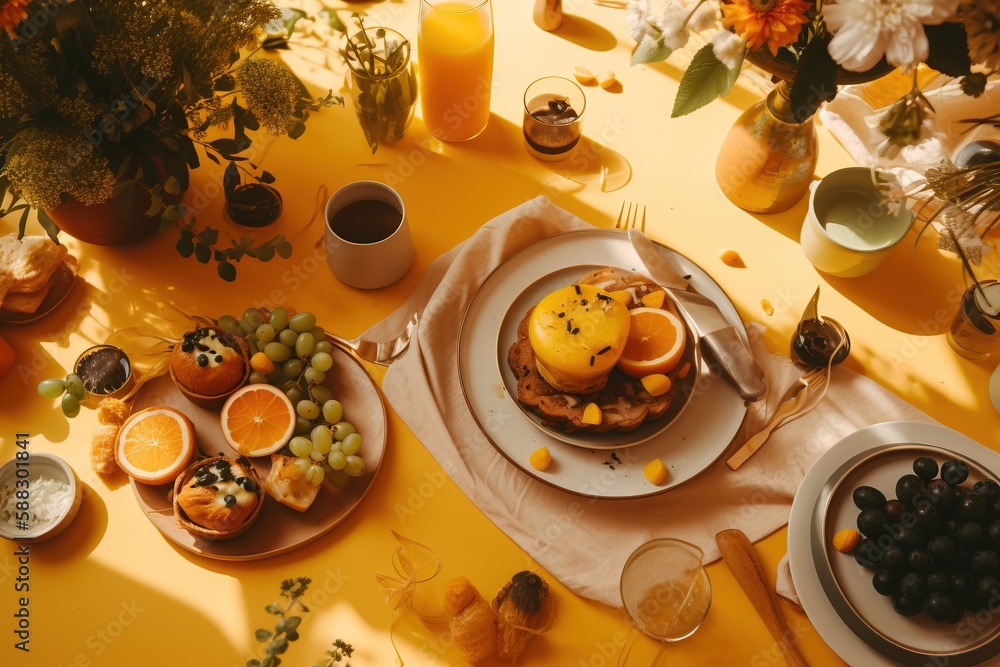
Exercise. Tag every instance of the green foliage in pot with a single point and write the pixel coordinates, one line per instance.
(102, 99)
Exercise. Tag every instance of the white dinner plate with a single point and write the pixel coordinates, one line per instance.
(695, 440)
(836, 592)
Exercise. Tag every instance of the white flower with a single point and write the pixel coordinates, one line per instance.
(728, 48)
(866, 30)
(637, 14)
(705, 16)
(672, 25)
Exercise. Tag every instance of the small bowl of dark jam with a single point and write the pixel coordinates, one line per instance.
(106, 372)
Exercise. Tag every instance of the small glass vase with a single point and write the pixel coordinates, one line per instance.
(768, 158)
(383, 83)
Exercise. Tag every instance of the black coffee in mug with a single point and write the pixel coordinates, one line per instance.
(366, 221)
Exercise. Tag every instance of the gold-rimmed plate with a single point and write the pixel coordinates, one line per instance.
(278, 529)
(689, 446)
(836, 592)
(507, 335)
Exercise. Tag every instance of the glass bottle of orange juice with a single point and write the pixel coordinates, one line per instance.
(455, 52)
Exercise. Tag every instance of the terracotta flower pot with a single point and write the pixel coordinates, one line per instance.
(102, 224)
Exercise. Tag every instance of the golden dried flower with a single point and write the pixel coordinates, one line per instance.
(270, 92)
(44, 164)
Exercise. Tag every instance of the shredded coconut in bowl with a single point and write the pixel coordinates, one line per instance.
(47, 498)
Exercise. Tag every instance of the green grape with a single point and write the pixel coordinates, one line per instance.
(352, 444)
(354, 467)
(278, 318)
(339, 479)
(315, 377)
(307, 409)
(256, 377)
(315, 475)
(301, 446)
(70, 405)
(265, 333)
(230, 325)
(252, 319)
(51, 388)
(333, 411)
(294, 394)
(291, 369)
(302, 426)
(317, 457)
(321, 361)
(273, 376)
(318, 393)
(304, 345)
(341, 430)
(318, 334)
(252, 346)
(324, 346)
(337, 459)
(338, 446)
(303, 465)
(322, 439)
(74, 386)
(302, 322)
(287, 337)
(277, 352)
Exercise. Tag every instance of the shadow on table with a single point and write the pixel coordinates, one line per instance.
(584, 32)
(89, 614)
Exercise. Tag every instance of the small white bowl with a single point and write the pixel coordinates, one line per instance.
(51, 466)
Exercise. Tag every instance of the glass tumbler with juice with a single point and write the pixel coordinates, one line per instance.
(455, 51)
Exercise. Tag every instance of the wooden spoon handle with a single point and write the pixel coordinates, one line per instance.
(742, 560)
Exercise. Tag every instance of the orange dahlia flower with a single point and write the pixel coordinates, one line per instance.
(776, 23)
(12, 12)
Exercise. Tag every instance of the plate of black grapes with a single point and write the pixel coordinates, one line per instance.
(895, 538)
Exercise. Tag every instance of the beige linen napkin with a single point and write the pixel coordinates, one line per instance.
(584, 542)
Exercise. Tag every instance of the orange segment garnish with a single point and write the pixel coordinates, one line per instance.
(655, 342)
(155, 445)
(257, 420)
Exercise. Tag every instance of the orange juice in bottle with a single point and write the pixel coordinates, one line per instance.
(455, 52)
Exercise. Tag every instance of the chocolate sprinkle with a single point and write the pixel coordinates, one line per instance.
(575, 330)
(606, 348)
(603, 297)
(218, 359)
(202, 360)
(578, 290)
(561, 315)
(592, 360)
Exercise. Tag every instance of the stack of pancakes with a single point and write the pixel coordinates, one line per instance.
(30, 269)
(625, 404)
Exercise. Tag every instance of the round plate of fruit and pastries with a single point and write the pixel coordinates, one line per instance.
(288, 433)
(894, 547)
(559, 380)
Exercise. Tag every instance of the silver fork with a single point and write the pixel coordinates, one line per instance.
(379, 353)
(795, 402)
(627, 220)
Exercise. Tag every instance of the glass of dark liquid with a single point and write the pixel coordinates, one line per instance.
(553, 117)
(368, 243)
(975, 331)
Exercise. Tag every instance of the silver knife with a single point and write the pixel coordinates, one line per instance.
(718, 338)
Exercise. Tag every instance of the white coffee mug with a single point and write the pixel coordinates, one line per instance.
(368, 243)
(847, 232)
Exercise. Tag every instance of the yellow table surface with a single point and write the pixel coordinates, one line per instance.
(112, 591)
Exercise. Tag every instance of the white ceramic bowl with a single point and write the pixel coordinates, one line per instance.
(51, 466)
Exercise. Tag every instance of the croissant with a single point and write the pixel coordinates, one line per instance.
(523, 608)
(111, 414)
(473, 623)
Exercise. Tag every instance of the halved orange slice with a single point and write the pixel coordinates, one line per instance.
(155, 445)
(257, 420)
(655, 342)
